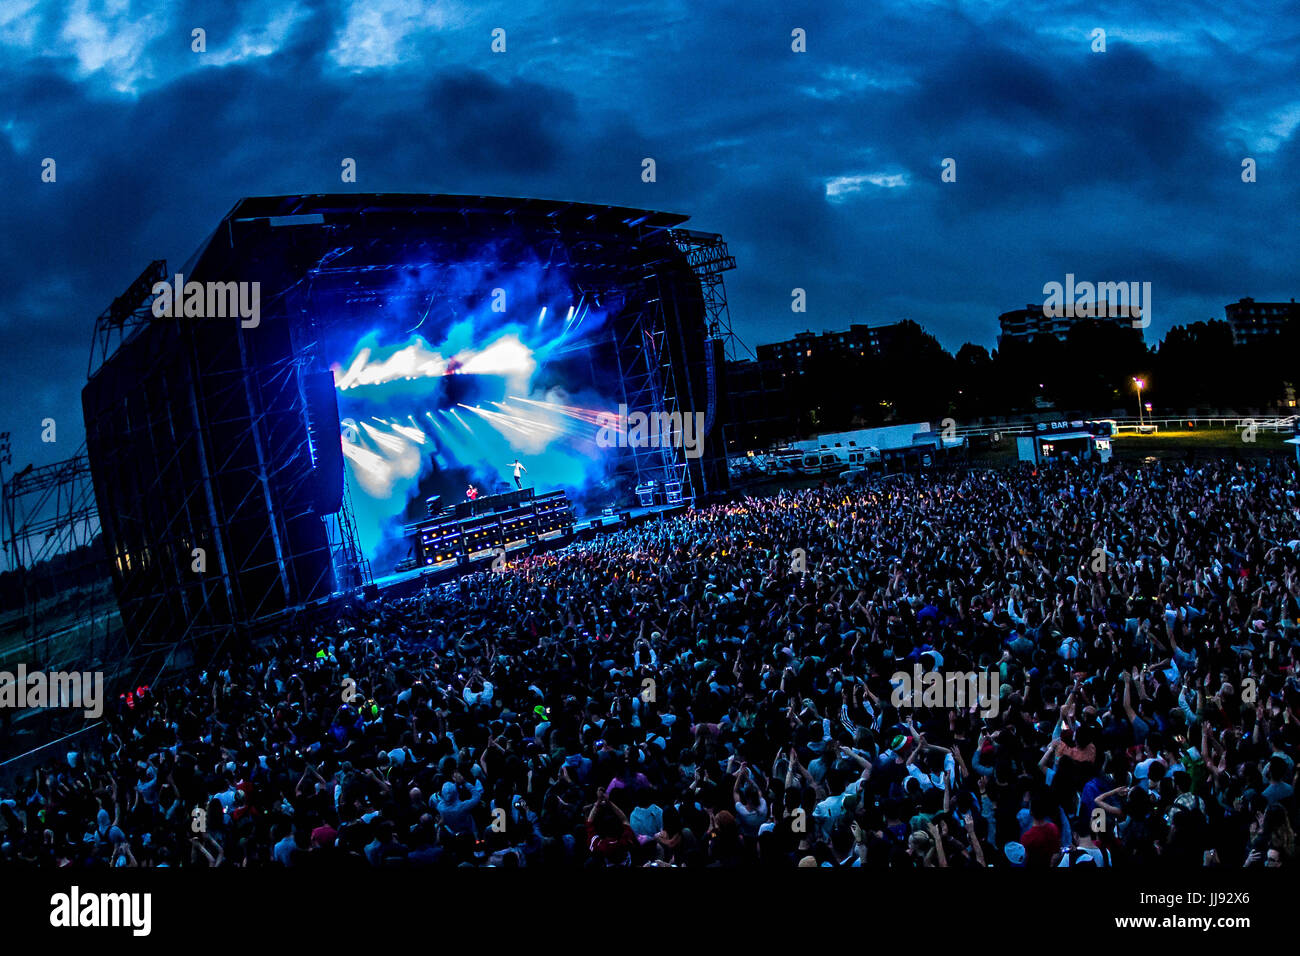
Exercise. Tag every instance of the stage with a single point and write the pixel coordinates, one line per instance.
(409, 346)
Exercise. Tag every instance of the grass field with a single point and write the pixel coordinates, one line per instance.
(78, 623)
(1227, 441)
(1201, 442)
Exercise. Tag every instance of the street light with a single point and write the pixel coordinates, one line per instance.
(1140, 385)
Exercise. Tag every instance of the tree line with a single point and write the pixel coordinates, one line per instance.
(1196, 367)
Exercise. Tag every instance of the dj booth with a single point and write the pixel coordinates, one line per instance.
(484, 526)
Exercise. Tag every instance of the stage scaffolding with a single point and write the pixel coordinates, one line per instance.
(655, 344)
(51, 529)
(70, 612)
(708, 256)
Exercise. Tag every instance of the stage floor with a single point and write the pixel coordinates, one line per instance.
(582, 528)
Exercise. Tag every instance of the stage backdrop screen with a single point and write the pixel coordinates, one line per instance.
(446, 373)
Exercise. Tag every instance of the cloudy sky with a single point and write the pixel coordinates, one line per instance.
(822, 168)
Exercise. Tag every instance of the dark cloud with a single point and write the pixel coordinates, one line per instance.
(1122, 165)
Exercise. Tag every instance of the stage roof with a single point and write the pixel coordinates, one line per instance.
(345, 205)
(435, 212)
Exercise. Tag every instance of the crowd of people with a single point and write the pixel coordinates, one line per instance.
(725, 688)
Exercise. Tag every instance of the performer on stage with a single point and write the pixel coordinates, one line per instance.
(518, 466)
(471, 492)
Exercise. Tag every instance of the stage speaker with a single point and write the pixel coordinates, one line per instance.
(370, 592)
(672, 492)
(625, 518)
(324, 441)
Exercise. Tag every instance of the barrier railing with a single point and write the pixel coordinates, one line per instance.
(1275, 423)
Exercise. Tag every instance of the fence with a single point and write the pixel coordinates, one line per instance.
(1286, 423)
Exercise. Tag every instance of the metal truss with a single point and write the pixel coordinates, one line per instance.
(49, 510)
(709, 258)
(50, 514)
(645, 366)
(129, 311)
